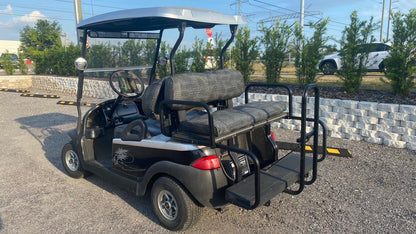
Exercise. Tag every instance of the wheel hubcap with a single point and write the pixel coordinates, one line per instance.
(167, 205)
(71, 160)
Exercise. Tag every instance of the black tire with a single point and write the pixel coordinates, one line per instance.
(173, 206)
(383, 68)
(72, 162)
(328, 67)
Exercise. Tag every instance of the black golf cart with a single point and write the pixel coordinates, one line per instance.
(180, 137)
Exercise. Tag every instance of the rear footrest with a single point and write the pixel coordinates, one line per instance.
(273, 181)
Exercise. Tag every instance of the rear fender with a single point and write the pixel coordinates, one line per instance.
(206, 186)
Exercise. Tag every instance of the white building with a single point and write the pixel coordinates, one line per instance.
(11, 46)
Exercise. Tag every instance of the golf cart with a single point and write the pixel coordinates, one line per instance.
(179, 137)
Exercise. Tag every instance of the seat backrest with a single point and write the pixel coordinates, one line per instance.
(205, 87)
(152, 97)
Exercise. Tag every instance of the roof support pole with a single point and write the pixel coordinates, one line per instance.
(233, 30)
(81, 83)
(153, 71)
(175, 47)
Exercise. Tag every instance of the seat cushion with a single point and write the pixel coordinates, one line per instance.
(232, 119)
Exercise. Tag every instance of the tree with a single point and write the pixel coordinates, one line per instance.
(354, 52)
(275, 40)
(309, 52)
(198, 64)
(22, 64)
(244, 53)
(162, 70)
(8, 63)
(44, 35)
(182, 60)
(401, 65)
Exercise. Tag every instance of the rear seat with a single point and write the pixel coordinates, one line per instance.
(220, 85)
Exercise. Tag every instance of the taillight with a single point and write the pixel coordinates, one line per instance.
(207, 163)
(273, 136)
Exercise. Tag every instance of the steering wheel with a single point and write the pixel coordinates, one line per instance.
(126, 84)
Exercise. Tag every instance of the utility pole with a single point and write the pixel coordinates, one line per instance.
(382, 21)
(302, 15)
(78, 16)
(389, 23)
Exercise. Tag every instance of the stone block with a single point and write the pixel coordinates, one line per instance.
(357, 112)
(369, 133)
(335, 134)
(399, 116)
(361, 125)
(411, 139)
(347, 117)
(395, 144)
(411, 146)
(353, 137)
(367, 105)
(389, 136)
(408, 124)
(408, 109)
(340, 110)
(378, 114)
(329, 102)
(389, 122)
(350, 130)
(348, 104)
(329, 115)
(335, 128)
(368, 120)
(374, 140)
(388, 107)
(325, 108)
(280, 98)
(402, 131)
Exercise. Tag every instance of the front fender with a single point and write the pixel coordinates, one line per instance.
(206, 186)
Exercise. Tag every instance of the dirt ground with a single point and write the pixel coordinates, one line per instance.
(373, 192)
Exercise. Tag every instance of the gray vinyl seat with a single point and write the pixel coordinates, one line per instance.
(231, 120)
(220, 85)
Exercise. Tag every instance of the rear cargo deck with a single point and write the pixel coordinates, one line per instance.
(273, 180)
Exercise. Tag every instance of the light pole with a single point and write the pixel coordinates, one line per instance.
(78, 16)
(389, 23)
(302, 15)
(382, 21)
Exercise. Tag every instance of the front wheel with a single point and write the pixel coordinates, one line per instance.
(72, 162)
(173, 206)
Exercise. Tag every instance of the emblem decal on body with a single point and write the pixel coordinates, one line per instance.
(121, 157)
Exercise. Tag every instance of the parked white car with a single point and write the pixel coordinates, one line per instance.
(377, 53)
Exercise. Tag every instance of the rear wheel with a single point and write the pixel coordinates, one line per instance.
(72, 162)
(328, 67)
(382, 68)
(173, 206)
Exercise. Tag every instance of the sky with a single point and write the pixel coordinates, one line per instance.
(15, 14)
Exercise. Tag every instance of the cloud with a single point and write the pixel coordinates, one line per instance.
(25, 19)
(8, 10)
(31, 18)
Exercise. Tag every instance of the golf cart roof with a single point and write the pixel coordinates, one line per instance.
(156, 18)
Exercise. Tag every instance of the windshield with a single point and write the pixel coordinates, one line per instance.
(105, 55)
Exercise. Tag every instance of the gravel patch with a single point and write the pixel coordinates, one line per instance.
(372, 192)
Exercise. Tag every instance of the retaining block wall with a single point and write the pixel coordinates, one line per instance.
(68, 85)
(16, 82)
